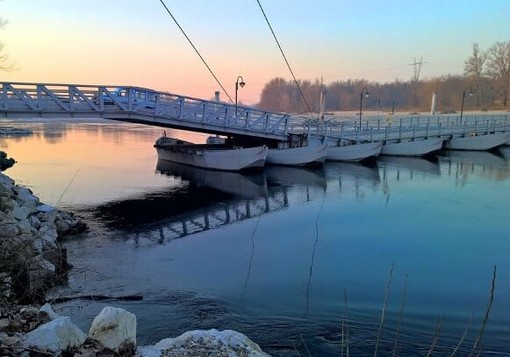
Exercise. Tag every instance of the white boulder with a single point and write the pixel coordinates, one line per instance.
(114, 328)
(204, 343)
(26, 198)
(55, 336)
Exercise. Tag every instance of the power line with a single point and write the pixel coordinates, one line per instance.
(198, 53)
(284, 57)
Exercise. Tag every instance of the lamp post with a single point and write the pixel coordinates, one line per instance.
(462, 101)
(241, 83)
(363, 93)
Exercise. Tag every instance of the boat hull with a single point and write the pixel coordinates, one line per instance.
(301, 156)
(215, 159)
(354, 152)
(478, 142)
(413, 147)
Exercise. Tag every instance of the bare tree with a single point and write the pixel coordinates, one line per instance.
(3, 58)
(474, 69)
(498, 67)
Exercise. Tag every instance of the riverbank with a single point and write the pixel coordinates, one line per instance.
(32, 261)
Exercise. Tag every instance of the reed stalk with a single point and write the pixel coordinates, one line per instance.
(436, 336)
(304, 343)
(67, 188)
(400, 316)
(381, 323)
(463, 336)
(478, 341)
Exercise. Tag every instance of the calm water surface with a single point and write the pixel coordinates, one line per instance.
(277, 254)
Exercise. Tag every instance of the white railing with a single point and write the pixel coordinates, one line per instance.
(403, 128)
(136, 103)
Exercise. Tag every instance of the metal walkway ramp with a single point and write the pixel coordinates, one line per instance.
(138, 105)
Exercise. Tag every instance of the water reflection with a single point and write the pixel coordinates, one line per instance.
(470, 165)
(301, 176)
(409, 165)
(239, 184)
(276, 251)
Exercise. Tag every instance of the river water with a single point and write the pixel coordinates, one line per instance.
(290, 257)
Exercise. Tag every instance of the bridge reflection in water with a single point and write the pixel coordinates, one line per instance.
(210, 199)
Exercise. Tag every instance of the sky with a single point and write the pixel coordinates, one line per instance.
(135, 42)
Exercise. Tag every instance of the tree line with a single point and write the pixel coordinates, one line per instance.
(484, 85)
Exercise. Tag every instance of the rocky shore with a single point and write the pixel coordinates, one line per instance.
(32, 261)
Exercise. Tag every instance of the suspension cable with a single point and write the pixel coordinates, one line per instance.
(198, 53)
(285, 58)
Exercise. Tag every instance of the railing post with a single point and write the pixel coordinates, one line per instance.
(100, 91)
(427, 131)
(70, 90)
(204, 111)
(248, 118)
(181, 108)
(39, 97)
(4, 96)
(156, 105)
(130, 98)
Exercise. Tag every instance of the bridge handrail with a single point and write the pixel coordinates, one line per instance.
(108, 100)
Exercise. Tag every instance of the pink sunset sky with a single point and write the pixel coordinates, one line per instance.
(137, 43)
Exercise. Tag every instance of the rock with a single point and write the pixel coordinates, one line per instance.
(115, 329)
(49, 235)
(24, 226)
(20, 212)
(29, 312)
(44, 208)
(48, 310)
(4, 323)
(10, 340)
(55, 336)
(62, 226)
(26, 198)
(27, 229)
(5, 162)
(40, 272)
(5, 287)
(8, 228)
(207, 343)
(34, 221)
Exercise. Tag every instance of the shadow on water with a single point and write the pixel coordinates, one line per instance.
(204, 200)
(157, 206)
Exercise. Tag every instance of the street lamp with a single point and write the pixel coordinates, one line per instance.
(363, 93)
(462, 101)
(241, 83)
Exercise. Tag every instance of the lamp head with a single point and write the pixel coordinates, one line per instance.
(367, 93)
(242, 83)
